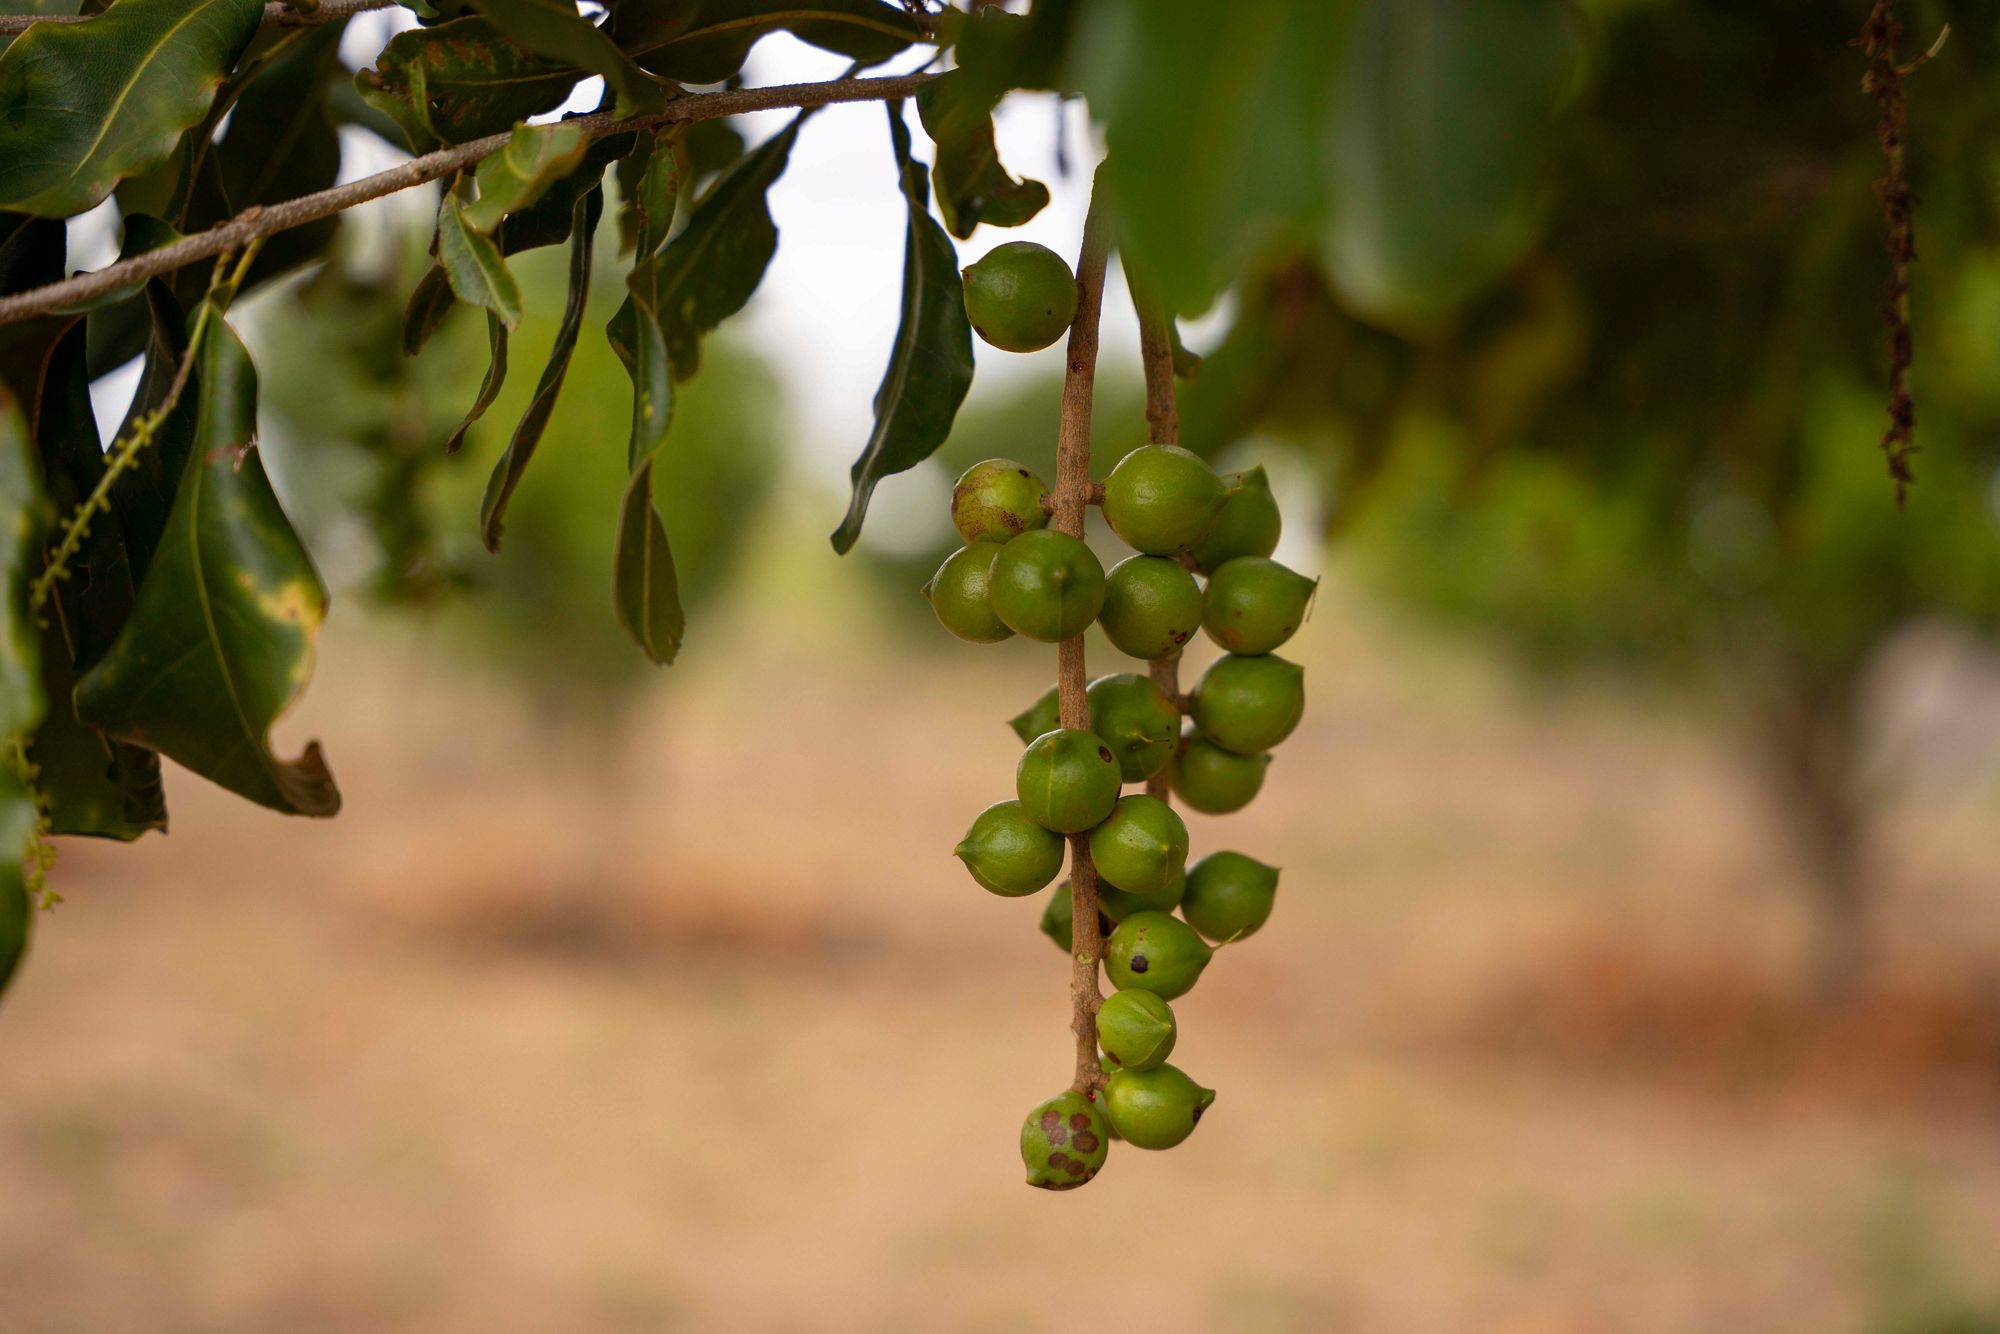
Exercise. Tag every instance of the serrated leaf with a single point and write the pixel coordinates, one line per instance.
(930, 364)
(85, 105)
(89, 783)
(645, 586)
(472, 262)
(489, 388)
(536, 156)
(220, 639)
(508, 471)
(555, 29)
(23, 512)
(462, 80)
(708, 272)
(1443, 111)
(706, 41)
(972, 186)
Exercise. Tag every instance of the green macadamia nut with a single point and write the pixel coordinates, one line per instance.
(1136, 1029)
(1136, 719)
(1249, 705)
(1141, 847)
(1019, 296)
(1249, 524)
(1117, 905)
(1008, 853)
(1151, 606)
(1215, 781)
(1253, 604)
(1067, 780)
(1150, 951)
(1156, 1108)
(997, 500)
(1059, 917)
(1162, 500)
(1063, 1142)
(1047, 585)
(1044, 715)
(1229, 895)
(960, 594)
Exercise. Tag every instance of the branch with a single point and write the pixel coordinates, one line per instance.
(1072, 493)
(275, 15)
(1884, 83)
(253, 223)
(1163, 427)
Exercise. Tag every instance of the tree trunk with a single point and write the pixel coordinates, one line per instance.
(1811, 729)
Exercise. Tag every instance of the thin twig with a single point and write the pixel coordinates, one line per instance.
(1163, 427)
(1072, 493)
(275, 15)
(268, 220)
(124, 453)
(1884, 83)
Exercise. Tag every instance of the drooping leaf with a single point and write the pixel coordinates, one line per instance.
(546, 222)
(930, 364)
(1210, 118)
(710, 270)
(144, 493)
(23, 512)
(706, 41)
(645, 586)
(220, 639)
(535, 418)
(516, 176)
(430, 301)
(556, 30)
(489, 388)
(85, 105)
(1443, 109)
(972, 186)
(461, 80)
(89, 783)
(473, 263)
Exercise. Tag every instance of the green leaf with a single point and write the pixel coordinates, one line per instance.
(555, 29)
(534, 159)
(472, 262)
(23, 512)
(220, 640)
(546, 222)
(930, 364)
(535, 418)
(89, 784)
(461, 80)
(430, 301)
(1443, 113)
(972, 186)
(144, 494)
(1211, 123)
(706, 41)
(85, 105)
(142, 233)
(710, 270)
(645, 586)
(489, 388)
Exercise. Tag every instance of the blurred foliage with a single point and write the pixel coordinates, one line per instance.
(355, 432)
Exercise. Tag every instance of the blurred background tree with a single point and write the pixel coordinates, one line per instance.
(1645, 447)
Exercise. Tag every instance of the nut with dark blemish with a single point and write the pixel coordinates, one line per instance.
(1064, 1141)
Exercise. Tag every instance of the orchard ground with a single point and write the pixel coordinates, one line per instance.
(724, 1038)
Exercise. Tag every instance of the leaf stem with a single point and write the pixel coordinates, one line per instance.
(253, 223)
(1072, 494)
(1163, 427)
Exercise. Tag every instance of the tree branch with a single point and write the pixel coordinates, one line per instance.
(1072, 494)
(253, 223)
(275, 15)
(1163, 427)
